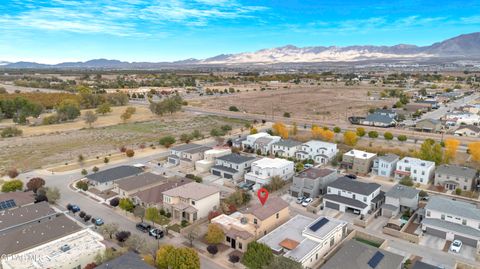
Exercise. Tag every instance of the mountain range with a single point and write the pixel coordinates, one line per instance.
(463, 47)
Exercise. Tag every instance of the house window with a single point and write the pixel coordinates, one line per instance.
(278, 215)
(316, 256)
(254, 221)
(332, 241)
(239, 245)
(193, 202)
(443, 217)
(428, 213)
(364, 199)
(464, 222)
(228, 239)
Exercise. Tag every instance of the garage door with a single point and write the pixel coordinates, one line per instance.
(436, 232)
(466, 240)
(332, 205)
(227, 175)
(294, 193)
(217, 173)
(172, 160)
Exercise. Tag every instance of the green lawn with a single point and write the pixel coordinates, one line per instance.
(175, 227)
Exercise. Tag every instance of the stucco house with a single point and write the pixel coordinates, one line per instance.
(186, 155)
(264, 144)
(125, 187)
(468, 130)
(286, 148)
(318, 151)
(357, 161)
(232, 166)
(452, 177)
(105, 179)
(312, 182)
(399, 199)
(265, 169)
(385, 165)
(428, 125)
(418, 170)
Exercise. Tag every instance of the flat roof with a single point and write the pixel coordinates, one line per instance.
(34, 234)
(21, 215)
(354, 254)
(138, 181)
(273, 163)
(114, 173)
(360, 154)
(314, 173)
(416, 161)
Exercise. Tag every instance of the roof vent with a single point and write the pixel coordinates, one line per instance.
(65, 248)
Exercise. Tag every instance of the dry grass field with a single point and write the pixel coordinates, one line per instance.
(65, 145)
(325, 103)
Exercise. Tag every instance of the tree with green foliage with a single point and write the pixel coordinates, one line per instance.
(152, 214)
(275, 183)
(233, 108)
(185, 138)
(215, 234)
(169, 257)
(337, 129)
(257, 256)
(282, 262)
(104, 108)
(406, 181)
(168, 105)
(12, 185)
(402, 138)
(361, 131)
(431, 151)
(373, 134)
(388, 136)
(126, 204)
(299, 167)
(82, 185)
(68, 110)
(196, 134)
(238, 198)
(90, 118)
(52, 194)
(11, 132)
(167, 141)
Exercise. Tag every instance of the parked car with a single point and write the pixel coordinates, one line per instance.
(300, 199)
(456, 246)
(352, 176)
(75, 208)
(307, 201)
(157, 233)
(142, 226)
(97, 221)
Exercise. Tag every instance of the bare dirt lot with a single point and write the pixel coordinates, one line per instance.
(36, 151)
(326, 102)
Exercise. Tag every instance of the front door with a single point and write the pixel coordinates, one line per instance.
(233, 243)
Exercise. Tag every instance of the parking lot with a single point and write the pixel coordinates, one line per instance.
(435, 242)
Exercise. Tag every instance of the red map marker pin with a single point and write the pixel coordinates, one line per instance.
(262, 194)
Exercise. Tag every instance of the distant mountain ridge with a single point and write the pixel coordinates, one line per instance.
(463, 47)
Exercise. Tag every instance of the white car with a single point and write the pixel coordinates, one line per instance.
(307, 201)
(300, 199)
(456, 246)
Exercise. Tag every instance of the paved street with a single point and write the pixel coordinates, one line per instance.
(443, 109)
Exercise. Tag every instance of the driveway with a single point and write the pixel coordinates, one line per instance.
(432, 241)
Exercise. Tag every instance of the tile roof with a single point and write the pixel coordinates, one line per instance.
(236, 158)
(289, 143)
(345, 200)
(114, 173)
(455, 170)
(272, 206)
(128, 260)
(399, 191)
(225, 169)
(185, 147)
(154, 195)
(355, 186)
(354, 254)
(193, 190)
(456, 208)
(139, 181)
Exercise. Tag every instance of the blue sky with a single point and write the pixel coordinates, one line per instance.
(52, 31)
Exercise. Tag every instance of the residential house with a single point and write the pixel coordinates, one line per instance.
(379, 119)
(306, 240)
(418, 107)
(428, 125)
(418, 170)
(15, 199)
(458, 118)
(422, 265)
(452, 177)
(232, 166)
(286, 148)
(358, 255)
(153, 196)
(433, 103)
(249, 142)
(450, 219)
(238, 142)
(191, 201)
(312, 182)
(245, 226)
(318, 151)
(264, 169)
(348, 195)
(468, 130)
(385, 165)
(74, 250)
(186, 155)
(264, 144)
(125, 187)
(357, 161)
(105, 179)
(209, 159)
(128, 260)
(399, 199)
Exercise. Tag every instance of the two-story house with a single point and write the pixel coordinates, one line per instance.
(243, 227)
(418, 170)
(186, 155)
(452, 177)
(348, 195)
(286, 148)
(312, 182)
(357, 161)
(318, 151)
(191, 201)
(209, 157)
(306, 240)
(265, 169)
(249, 141)
(399, 199)
(468, 131)
(264, 144)
(450, 219)
(385, 165)
(232, 166)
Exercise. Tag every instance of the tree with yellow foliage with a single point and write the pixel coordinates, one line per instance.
(253, 130)
(280, 129)
(294, 129)
(474, 149)
(316, 132)
(451, 146)
(350, 138)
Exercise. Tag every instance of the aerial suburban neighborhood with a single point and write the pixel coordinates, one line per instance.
(197, 138)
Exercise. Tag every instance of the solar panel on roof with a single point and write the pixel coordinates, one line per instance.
(376, 259)
(317, 225)
(4, 205)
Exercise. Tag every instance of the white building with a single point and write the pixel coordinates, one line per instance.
(286, 148)
(249, 142)
(306, 240)
(319, 151)
(264, 169)
(462, 118)
(418, 170)
(348, 195)
(264, 144)
(75, 250)
(209, 157)
(385, 165)
(452, 220)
